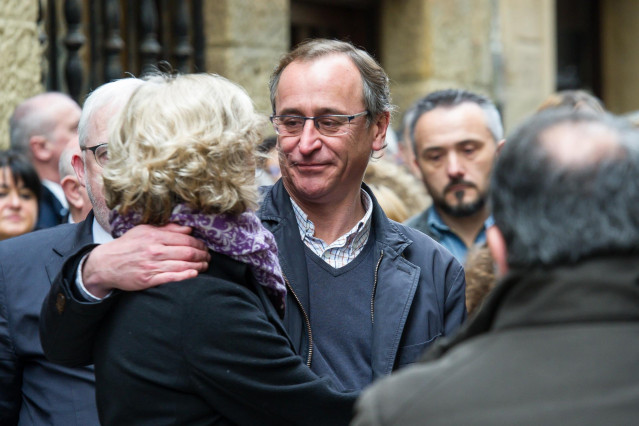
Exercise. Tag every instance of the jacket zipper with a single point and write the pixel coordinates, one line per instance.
(306, 320)
(375, 287)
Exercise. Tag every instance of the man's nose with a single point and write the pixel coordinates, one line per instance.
(309, 138)
(455, 166)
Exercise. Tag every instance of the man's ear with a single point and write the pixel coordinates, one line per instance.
(500, 145)
(40, 149)
(71, 188)
(380, 126)
(78, 166)
(498, 250)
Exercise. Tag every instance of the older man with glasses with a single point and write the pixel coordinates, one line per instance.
(365, 295)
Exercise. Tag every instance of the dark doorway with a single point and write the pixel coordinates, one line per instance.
(579, 45)
(354, 20)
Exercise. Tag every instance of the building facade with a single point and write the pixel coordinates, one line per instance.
(506, 49)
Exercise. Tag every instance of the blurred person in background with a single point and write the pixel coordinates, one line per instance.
(41, 127)
(75, 193)
(396, 189)
(268, 162)
(456, 135)
(574, 99)
(480, 276)
(19, 195)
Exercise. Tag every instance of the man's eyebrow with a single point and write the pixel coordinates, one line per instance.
(289, 111)
(318, 113)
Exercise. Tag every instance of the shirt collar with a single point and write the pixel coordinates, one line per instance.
(57, 191)
(359, 232)
(435, 221)
(100, 235)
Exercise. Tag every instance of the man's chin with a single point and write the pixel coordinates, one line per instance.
(463, 209)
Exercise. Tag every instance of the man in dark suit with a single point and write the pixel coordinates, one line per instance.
(34, 391)
(41, 127)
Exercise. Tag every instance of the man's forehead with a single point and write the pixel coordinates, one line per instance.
(454, 120)
(328, 83)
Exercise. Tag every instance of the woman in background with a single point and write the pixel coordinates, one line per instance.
(19, 195)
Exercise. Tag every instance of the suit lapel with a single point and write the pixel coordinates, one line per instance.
(79, 235)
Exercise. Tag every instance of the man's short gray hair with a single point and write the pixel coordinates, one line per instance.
(376, 96)
(451, 98)
(32, 117)
(113, 94)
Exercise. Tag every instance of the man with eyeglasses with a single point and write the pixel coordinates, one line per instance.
(365, 295)
(33, 390)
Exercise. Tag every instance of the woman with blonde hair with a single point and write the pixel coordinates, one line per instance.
(212, 349)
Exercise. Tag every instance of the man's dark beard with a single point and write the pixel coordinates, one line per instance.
(461, 210)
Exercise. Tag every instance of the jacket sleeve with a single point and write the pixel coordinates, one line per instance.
(455, 303)
(251, 373)
(68, 324)
(10, 365)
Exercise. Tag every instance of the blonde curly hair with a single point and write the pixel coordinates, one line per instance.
(184, 139)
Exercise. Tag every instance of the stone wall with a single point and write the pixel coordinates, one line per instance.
(620, 55)
(429, 45)
(501, 48)
(20, 67)
(527, 35)
(244, 40)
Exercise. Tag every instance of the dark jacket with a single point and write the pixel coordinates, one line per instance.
(419, 290)
(209, 350)
(33, 390)
(549, 347)
(50, 211)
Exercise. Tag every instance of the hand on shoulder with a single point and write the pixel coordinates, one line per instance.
(144, 257)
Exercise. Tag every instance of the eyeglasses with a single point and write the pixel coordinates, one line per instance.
(100, 152)
(328, 125)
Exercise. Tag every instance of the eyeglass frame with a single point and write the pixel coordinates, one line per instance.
(315, 122)
(93, 149)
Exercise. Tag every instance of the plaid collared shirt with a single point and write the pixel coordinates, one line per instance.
(345, 248)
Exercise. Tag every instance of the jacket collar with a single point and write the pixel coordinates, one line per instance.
(82, 235)
(276, 209)
(598, 289)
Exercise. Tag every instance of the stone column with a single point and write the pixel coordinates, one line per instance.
(620, 55)
(500, 48)
(430, 44)
(244, 40)
(529, 66)
(21, 52)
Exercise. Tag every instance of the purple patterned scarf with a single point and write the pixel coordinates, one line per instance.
(241, 237)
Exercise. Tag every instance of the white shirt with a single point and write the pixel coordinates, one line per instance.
(100, 236)
(57, 191)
